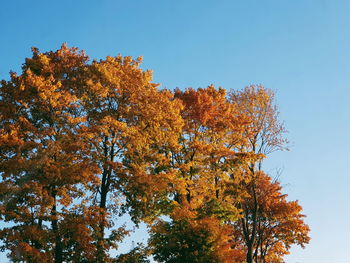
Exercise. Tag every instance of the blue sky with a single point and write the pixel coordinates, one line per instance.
(298, 48)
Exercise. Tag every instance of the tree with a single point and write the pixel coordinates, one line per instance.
(212, 131)
(129, 122)
(265, 135)
(79, 142)
(279, 223)
(43, 166)
(82, 143)
(182, 240)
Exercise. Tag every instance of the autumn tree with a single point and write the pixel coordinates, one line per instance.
(279, 222)
(43, 165)
(129, 122)
(256, 193)
(213, 130)
(80, 143)
(265, 133)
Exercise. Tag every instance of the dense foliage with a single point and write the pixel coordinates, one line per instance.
(82, 143)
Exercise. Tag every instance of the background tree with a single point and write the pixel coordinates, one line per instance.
(213, 130)
(265, 135)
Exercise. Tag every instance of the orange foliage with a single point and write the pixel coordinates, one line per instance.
(83, 142)
(269, 223)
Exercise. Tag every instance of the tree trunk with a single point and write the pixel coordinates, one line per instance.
(249, 253)
(101, 232)
(54, 223)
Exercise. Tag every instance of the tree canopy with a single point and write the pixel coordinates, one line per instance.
(83, 142)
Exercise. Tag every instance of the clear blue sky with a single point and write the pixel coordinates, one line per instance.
(298, 48)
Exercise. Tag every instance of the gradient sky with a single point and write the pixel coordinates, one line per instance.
(299, 48)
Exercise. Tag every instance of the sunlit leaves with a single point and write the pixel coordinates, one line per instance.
(83, 142)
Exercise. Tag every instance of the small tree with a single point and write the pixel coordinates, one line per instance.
(278, 223)
(184, 241)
